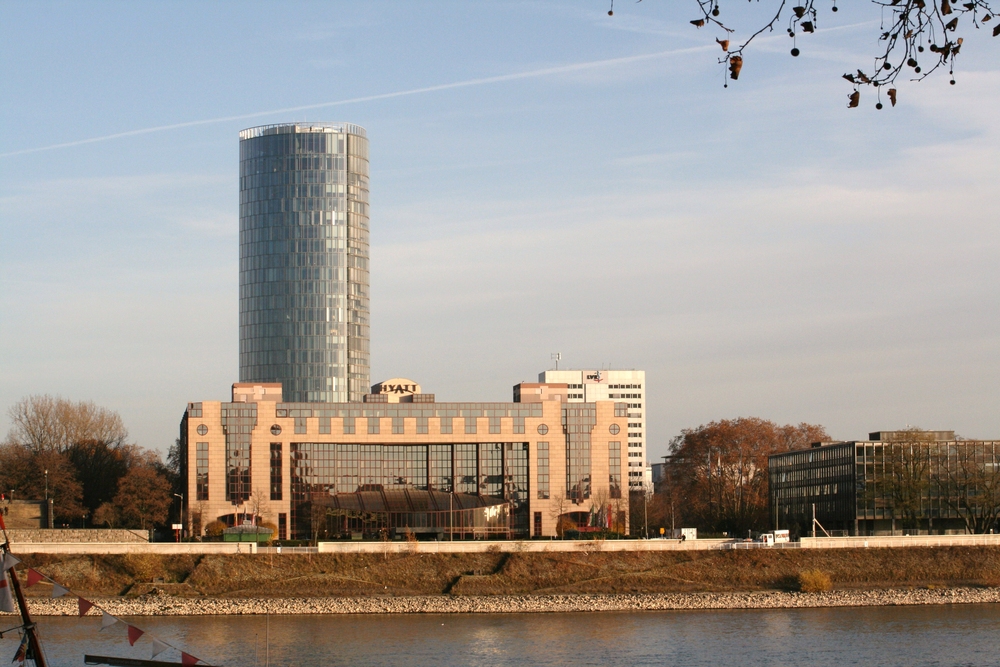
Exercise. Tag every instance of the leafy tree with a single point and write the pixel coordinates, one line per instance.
(916, 37)
(24, 471)
(718, 471)
(99, 466)
(144, 498)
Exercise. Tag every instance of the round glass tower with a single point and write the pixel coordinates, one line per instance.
(304, 309)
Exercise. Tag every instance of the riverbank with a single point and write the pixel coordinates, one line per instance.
(513, 575)
(164, 605)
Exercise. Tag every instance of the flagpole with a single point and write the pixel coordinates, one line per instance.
(29, 627)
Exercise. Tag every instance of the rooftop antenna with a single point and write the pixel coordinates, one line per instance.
(557, 356)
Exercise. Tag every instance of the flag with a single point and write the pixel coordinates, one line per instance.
(133, 635)
(34, 576)
(158, 647)
(84, 606)
(6, 599)
(58, 591)
(22, 650)
(9, 561)
(107, 620)
(187, 659)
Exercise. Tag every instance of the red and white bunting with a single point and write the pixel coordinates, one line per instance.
(9, 561)
(159, 647)
(58, 591)
(34, 576)
(188, 659)
(107, 620)
(84, 605)
(133, 635)
(6, 599)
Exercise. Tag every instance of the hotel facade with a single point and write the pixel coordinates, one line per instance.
(400, 462)
(627, 386)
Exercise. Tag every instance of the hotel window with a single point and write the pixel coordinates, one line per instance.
(373, 425)
(615, 469)
(439, 464)
(324, 424)
(421, 424)
(470, 425)
(518, 424)
(348, 425)
(446, 425)
(494, 424)
(466, 469)
(201, 470)
(300, 424)
(275, 471)
(543, 469)
(397, 425)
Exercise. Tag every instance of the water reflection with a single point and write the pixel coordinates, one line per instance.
(940, 635)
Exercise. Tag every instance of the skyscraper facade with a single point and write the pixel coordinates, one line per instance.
(304, 300)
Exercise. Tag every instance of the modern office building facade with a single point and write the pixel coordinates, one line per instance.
(628, 386)
(304, 224)
(401, 461)
(896, 482)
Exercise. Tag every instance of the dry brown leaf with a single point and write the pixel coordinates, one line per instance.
(735, 65)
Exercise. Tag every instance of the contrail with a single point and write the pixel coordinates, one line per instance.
(548, 71)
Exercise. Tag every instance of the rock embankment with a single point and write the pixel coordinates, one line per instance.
(160, 605)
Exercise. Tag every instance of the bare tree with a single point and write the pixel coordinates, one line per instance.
(968, 477)
(915, 36)
(45, 423)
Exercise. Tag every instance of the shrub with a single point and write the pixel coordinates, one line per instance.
(269, 526)
(214, 529)
(814, 581)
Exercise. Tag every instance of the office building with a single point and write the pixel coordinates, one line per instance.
(304, 301)
(894, 483)
(400, 461)
(628, 386)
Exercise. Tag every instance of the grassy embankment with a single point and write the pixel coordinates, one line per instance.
(517, 573)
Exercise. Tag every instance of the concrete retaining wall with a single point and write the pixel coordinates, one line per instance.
(162, 548)
(447, 547)
(899, 541)
(77, 535)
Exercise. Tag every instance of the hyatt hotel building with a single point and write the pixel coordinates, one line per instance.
(398, 461)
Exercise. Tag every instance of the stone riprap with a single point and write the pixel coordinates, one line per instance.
(166, 605)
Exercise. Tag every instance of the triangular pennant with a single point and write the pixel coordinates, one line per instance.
(107, 620)
(58, 591)
(9, 561)
(133, 635)
(34, 576)
(22, 650)
(84, 606)
(187, 659)
(158, 647)
(6, 599)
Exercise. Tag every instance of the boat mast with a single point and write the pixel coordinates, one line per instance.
(29, 626)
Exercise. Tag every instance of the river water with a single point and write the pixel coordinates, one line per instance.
(869, 636)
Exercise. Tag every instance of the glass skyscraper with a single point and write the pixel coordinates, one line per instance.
(304, 302)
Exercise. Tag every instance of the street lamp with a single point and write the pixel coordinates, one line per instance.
(181, 496)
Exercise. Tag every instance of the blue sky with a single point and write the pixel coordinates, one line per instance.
(590, 188)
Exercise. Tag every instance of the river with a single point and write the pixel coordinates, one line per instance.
(834, 637)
